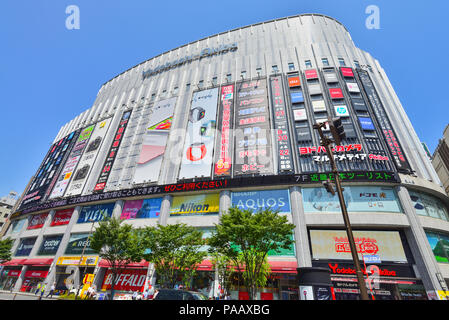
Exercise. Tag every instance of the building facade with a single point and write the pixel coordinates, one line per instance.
(440, 159)
(6, 207)
(227, 121)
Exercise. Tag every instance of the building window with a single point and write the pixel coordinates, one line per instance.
(259, 71)
(229, 77)
(325, 62)
(243, 74)
(275, 68)
(200, 83)
(341, 61)
(356, 63)
(153, 96)
(291, 66)
(214, 81)
(187, 86)
(175, 90)
(308, 64)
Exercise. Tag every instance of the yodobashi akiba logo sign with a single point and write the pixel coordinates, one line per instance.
(206, 52)
(95, 213)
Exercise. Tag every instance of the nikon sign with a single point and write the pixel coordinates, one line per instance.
(207, 52)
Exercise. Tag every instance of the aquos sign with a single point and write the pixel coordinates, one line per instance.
(206, 52)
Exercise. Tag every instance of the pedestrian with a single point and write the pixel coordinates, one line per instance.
(134, 297)
(145, 294)
(151, 292)
(37, 288)
(52, 290)
(42, 290)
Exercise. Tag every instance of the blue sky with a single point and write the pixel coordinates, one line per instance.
(50, 74)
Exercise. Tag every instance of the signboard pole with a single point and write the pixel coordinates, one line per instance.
(326, 142)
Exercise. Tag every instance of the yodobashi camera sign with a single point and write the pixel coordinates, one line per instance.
(206, 52)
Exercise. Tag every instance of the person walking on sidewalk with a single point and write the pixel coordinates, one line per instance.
(42, 290)
(52, 290)
(37, 289)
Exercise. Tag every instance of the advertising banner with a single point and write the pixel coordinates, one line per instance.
(311, 74)
(357, 199)
(155, 141)
(253, 154)
(17, 225)
(223, 149)
(439, 243)
(299, 114)
(341, 111)
(71, 163)
(126, 280)
(95, 213)
(366, 123)
(62, 217)
(141, 209)
(195, 205)
(198, 150)
(36, 274)
(397, 153)
(294, 81)
(37, 221)
(74, 261)
(88, 158)
(77, 243)
(25, 247)
(284, 150)
(334, 245)
(336, 93)
(49, 170)
(104, 174)
(296, 96)
(50, 245)
(260, 200)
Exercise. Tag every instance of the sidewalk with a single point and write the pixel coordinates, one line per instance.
(15, 295)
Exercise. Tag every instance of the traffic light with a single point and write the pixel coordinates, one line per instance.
(329, 186)
(337, 130)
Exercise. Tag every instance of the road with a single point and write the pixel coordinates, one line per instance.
(6, 295)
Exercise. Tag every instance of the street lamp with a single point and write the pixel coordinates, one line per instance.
(338, 134)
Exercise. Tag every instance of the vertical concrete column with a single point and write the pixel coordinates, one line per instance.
(225, 202)
(303, 255)
(24, 269)
(51, 277)
(19, 281)
(165, 209)
(420, 247)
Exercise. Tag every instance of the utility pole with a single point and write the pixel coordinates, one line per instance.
(338, 134)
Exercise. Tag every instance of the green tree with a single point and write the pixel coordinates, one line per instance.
(118, 243)
(175, 250)
(5, 249)
(247, 237)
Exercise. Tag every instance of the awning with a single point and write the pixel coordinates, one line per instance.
(206, 265)
(283, 266)
(142, 264)
(37, 262)
(14, 262)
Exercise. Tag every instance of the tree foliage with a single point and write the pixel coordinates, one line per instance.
(5, 249)
(117, 243)
(175, 250)
(247, 237)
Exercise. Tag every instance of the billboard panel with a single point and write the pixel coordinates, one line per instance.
(88, 158)
(37, 221)
(260, 200)
(252, 135)
(334, 245)
(62, 217)
(25, 247)
(223, 148)
(110, 158)
(140, 209)
(72, 162)
(197, 154)
(357, 199)
(396, 150)
(155, 141)
(95, 213)
(49, 170)
(50, 245)
(79, 244)
(195, 205)
(284, 149)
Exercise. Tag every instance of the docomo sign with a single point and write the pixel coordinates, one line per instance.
(207, 52)
(127, 280)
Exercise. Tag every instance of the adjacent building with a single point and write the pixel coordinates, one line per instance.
(440, 159)
(228, 120)
(6, 207)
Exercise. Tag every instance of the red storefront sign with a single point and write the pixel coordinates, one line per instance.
(311, 74)
(14, 273)
(347, 72)
(62, 217)
(37, 221)
(336, 93)
(127, 280)
(36, 274)
(294, 82)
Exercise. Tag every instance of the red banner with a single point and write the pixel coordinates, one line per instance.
(336, 93)
(14, 273)
(311, 74)
(37, 221)
(127, 280)
(36, 274)
(347, 72)
(62, 217)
